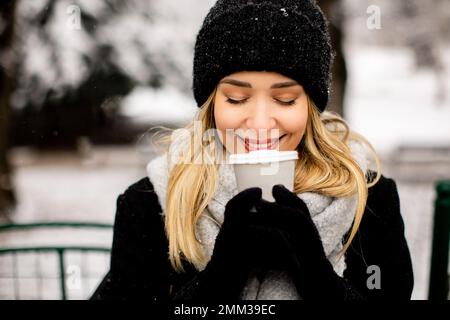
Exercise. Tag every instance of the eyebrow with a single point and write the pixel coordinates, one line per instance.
(248, 85)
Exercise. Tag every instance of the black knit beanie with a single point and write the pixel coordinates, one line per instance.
(285, 36)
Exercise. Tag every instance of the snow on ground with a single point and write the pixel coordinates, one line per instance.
(65, 186)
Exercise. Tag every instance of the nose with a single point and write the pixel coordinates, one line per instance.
(261, 119)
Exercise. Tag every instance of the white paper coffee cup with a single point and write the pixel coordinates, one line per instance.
(264, 169)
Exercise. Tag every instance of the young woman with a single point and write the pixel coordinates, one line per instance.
(261, 81)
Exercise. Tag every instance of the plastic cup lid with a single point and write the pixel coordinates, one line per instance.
(263, 156)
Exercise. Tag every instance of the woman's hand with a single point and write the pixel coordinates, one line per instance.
(227, 271)
(288, 218)
(291, 239)
(232, 241)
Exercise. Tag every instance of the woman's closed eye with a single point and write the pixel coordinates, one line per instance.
(233, 101)
(242, 101)
(286, 103)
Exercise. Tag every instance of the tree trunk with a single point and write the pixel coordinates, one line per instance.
(333, 11)
(7, 66)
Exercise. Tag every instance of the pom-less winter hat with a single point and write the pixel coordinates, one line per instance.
(285, 36)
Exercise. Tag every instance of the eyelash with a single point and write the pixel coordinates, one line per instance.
(288, 103)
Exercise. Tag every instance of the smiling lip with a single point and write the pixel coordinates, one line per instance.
(268, 144)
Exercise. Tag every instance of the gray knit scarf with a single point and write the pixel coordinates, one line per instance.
(332, 216)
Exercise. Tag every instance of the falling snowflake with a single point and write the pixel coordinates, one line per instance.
(284, 12)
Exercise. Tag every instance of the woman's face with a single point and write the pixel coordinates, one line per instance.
(260, 110)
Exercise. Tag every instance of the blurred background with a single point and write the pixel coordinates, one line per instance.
(83, 81)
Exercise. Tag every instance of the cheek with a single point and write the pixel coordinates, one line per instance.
(226, 118)
(294, 120)
(295, 124)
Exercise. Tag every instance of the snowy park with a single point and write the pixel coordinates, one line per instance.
(402, 109)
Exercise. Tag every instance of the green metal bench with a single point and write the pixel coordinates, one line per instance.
(439, 276)
(61, 251)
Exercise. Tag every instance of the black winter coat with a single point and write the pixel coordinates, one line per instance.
(140, 268)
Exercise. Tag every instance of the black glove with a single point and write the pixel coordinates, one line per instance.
(288, 224)
(228, 269)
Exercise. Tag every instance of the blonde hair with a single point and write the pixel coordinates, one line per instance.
(325, 166)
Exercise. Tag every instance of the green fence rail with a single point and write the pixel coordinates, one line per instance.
(59, 250)
(439, 278)
(55, 224)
